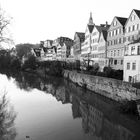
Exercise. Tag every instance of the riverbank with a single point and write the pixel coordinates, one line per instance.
(110, 88)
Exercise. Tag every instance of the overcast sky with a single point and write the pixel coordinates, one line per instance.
(35, 20)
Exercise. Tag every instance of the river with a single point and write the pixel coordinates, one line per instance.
(52, 108)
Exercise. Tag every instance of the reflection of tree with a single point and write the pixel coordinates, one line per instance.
(7, 117)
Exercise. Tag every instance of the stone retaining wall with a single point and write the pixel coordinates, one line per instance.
(111, 88)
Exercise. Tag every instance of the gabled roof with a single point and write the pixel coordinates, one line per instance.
(122, 20)
(81, 36)
(137, 12)
(90, 27)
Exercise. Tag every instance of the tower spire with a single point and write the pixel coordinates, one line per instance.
(90, 19)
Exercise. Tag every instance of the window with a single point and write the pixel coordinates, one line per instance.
(119, 40)
(120, 31)
(132, 50)
(115, 23)
(115, 62)
(137, 26)
(129, 29)
(133, 66)
(132, 17)
(133, 28)
(121, 62)
(123, 39)
(118, 52)
(132, 37)
(111, 53)
(110, 42)
(116, 32)
(128, 66)
(116, 41)
(112, 33)
(114, 52)
(138, 50)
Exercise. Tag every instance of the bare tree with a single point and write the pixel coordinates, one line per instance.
(4, 22)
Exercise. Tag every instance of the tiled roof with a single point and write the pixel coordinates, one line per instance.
(90, 27)
(122, 20)
(101, 28)
(81, 36)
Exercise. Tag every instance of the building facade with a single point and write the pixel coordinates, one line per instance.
(48, 43)
(102, 50)
(95, 38)
(132, 27)
(86, 45)
(66, 50)
(116, 40)
(78, 40)
(132, 63)
(57, 45)
(132, 52)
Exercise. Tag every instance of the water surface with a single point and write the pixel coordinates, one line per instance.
(56, 109)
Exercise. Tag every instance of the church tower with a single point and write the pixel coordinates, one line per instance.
(90, 20)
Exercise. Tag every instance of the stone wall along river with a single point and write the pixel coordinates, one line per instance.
(111, 88)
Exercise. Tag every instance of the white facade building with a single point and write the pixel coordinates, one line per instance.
(132, 63)
(102, 50)
(86, 45)
(59, 52)
(94, 44)
(132, 26)
(132, 48)
(95, 38)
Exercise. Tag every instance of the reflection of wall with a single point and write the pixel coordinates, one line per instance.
(125, 134)
(75, 107)
(95, 120)
(109, 131)
(84, 114)
(95, 123)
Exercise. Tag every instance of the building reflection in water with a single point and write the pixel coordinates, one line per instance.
(7, 118)
(97, 114)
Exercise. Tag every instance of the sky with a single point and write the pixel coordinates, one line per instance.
(37, 20)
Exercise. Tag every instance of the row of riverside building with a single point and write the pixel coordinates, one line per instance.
(116, 45)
